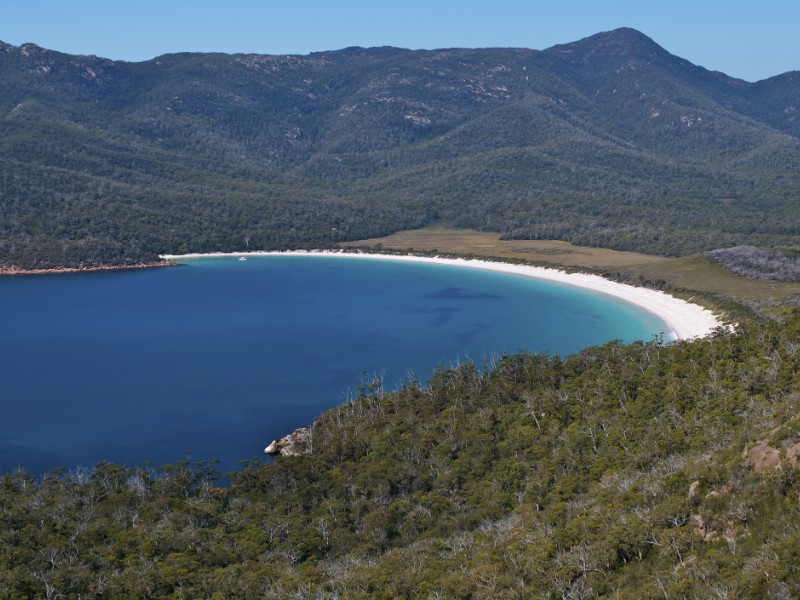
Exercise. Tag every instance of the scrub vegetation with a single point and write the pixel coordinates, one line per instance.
(760, 263)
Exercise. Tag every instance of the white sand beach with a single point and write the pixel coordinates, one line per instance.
(685, 319)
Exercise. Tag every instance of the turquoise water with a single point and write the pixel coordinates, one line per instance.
(217, 357)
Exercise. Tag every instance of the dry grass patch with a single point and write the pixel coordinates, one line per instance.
(480, 243)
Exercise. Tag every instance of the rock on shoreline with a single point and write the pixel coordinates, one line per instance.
(296, 443)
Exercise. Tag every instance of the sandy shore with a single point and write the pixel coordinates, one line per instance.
(685, 319)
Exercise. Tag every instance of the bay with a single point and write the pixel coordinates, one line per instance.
(215, 358)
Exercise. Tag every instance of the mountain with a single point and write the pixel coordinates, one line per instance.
(609, 141)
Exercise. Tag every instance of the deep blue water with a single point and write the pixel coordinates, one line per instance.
(217, 357)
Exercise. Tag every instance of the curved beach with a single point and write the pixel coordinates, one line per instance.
(685, 319)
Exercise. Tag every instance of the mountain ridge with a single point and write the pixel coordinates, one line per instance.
(623, 35)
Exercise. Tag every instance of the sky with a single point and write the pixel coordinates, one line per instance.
(745, 39)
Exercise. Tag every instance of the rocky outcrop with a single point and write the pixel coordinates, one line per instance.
(297, 443)
(693, 489)
(781, 448)
(725, 489)
(702, 529)
(762, 456)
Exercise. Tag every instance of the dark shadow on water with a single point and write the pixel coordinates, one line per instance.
(456, 293)
(443, 314)
(465, 338)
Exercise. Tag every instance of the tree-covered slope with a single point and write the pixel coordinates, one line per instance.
(609, 141)
(638, 471)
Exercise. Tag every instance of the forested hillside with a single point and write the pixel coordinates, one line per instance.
(641, 471)
(609, 141)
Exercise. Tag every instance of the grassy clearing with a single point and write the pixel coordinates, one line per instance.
(480, 243)
(688, 272)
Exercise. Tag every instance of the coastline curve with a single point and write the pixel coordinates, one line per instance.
(685, 319)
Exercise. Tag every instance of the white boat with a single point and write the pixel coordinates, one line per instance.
(242, 258)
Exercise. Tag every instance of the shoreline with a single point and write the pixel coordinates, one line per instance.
(12, 271)
(685, 320)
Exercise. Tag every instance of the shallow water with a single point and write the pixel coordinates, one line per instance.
(217, 357)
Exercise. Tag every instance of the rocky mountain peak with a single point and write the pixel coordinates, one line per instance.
(30, 49)
(619, 43)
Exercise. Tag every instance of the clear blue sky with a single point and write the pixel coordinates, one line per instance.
(751, 40)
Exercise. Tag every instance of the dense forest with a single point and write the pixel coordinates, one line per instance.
(609, 141)
(624, 471)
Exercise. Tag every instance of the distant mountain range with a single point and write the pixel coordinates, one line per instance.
(607, 141)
